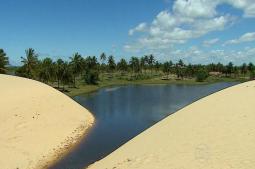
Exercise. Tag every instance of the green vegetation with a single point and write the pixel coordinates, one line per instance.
(201, 75)
(4, 61)
(87, 74)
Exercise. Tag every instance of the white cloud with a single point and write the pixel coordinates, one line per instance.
(210, 42)
(247, 37)
(140, 28)
(248, 6)
(196, 55)
(188, 19)
(195, 8)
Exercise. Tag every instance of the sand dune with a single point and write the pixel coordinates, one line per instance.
(217, 132)
(37, 123)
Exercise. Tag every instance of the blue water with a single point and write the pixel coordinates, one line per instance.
(123, 112)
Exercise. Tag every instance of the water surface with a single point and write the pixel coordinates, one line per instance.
(123, 112)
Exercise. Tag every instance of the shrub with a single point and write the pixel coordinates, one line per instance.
(92, 77)
(201, 75)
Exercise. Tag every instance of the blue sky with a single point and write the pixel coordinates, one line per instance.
(196, 31)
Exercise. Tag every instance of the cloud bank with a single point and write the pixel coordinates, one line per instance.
(188, 19)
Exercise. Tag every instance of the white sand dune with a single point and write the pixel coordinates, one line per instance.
(217, 132)
(37, 123)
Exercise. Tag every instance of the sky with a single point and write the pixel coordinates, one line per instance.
(197, 31)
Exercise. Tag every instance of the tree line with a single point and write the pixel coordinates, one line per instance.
(89, 68)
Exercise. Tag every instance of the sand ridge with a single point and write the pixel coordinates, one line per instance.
(38, 123)
(216, 132)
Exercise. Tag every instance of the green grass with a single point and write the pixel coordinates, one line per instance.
(117, 80)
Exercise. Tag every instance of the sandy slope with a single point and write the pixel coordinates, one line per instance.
(217, 132)
(37, 123)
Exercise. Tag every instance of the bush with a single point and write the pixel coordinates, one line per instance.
(92, 77)
(252, 75)
(201, 75)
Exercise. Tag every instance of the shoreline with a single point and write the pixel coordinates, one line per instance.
(63, 151)
(87, 89)
(188, 145)
(40, 125)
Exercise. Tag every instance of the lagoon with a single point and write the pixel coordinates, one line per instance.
(123, 112)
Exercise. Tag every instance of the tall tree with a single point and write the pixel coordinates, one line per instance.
(59, 71)
(179, 68)
(157, 66)
(91, 63)
(46, 70)
(151, 61)
(122, 65)
(4, 61)
(250, 67)
(111, 63)
(181, 63)
(103, 57)
(30, 62)
(230, 68)
(134, 64)
(91, 72)
(244, 69)
(142, 63)
(67, 76)
(76, 64)
(166, 68)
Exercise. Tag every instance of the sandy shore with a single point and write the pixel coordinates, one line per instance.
(37, 123)
(217, 132)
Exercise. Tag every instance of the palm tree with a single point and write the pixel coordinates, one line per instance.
(76, 64)
(146, 61)
(67, 75)
(230, 68)
(250, 67)
(91, 70)
(111, 63)
(151, 61)
(103, 57)
(157, 66)
(47, 72)
(135, 65)
(244, 69)
(3, 61)
(166, 68)
(30, 62)
(59, 70)
(122, 65)
(142, 63)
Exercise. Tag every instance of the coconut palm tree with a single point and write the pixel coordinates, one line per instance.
(30, 62)
(59, 70)
(67, 76)
(111, 63)
(3, 61)
(134, 64)
(47, 70)
(142, 63)
(76, 64)
(166, 68)
(122, 65)
(250, 67)
(103, 57)
(151, 61)
(244, 68)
